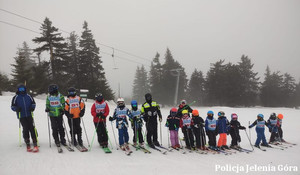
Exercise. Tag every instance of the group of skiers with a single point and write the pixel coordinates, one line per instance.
(193, 127)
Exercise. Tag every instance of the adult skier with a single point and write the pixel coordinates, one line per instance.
(23, 104)
(150, 110)
(183, 106)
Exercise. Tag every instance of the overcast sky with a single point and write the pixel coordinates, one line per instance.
(197, 32)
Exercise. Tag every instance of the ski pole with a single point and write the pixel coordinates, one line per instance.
(35, 132)
(66, 131)
(73, 137)
(249, 139)
(160, 133)
(48, 118)
(94, 133)
(168, 137)
(111, 146)
(85, 132)
(114, 135)
(136, 134)
(249, 131)
(20, 144)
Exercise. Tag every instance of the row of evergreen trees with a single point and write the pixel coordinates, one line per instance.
(225, 84)
(73, 61)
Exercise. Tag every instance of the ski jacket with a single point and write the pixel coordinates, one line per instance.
(273, 124)
(56, 104)
(210, 124)
(150, 112)
(97, 108)
(24, 103)
(181, 108)
(235, 126)
(260, 124)
(120, 117)
(198, 121)
(74, 105)
(173, 123)
(186, 122)
(136, 118)
(223, 125)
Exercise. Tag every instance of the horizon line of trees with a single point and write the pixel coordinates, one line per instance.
(225, 84)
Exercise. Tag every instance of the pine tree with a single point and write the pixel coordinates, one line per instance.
(297, 95)
(271, 90)
(91, 72)
(19, 72)
(4, 83)
(54, 43)
(171, 68)
(249, 82)
(288, 90)
(196, 91)
(140, 84)
(155, 77)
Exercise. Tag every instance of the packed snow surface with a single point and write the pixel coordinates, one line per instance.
(15, 159)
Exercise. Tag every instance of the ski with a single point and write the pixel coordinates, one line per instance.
(141, 148)
(127, 150)
(246, 150)
(161, 151)
(106, 150)
(274, 147)
(59, 149)
(29, 149)
(69, 148)
(219, 151)
(260, 148)
(162, 147)
(289, 143)
(199, 151)
(81, 149)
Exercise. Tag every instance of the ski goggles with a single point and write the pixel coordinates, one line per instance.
(72, 93)
(21, 89)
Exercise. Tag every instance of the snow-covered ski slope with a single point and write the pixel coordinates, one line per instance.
(15, 159)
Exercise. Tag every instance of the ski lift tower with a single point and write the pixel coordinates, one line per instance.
(176, 72)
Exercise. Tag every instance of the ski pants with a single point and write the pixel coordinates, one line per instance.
(260, 136)
(188, 137)
(151, 132)
(123, 136)
(76, 129)
(28, 127)
(174, 137)
(273, 135)
(235, 137)
(280, 132)
(101, 133)
(137, 134)
(58, 131)
(211, 138)
(200, 137)
(222, 139)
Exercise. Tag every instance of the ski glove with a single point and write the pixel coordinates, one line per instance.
(70, 116)
(31, 109)
(19, 109)
(243, 127)
(111, 119)
(160, 119)
(81, 114)
(47, 110)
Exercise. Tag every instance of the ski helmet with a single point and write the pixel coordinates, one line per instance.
(53, 89)
(260, 116)
(280, 116)
(185, 112)
(148, 97)
(134, 104)
(21, 89)
(234, 116)
(195, 112)
(99, 97)
(120, 102)
(210, 113)
(173, 111)
(221, 114)
(72, 91)
(183, 102)
(273, 115)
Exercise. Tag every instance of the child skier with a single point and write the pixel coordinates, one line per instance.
(23, 104)
(173, 123)
(210, 129)
(186, 124)
(100, 111)
(260, 130)
(223, 130)
(280, 132)
(121, 123)
(273, 127)
(198, 130)
(55, 106)
(235, 126)
(136, 124)
(74, 109)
